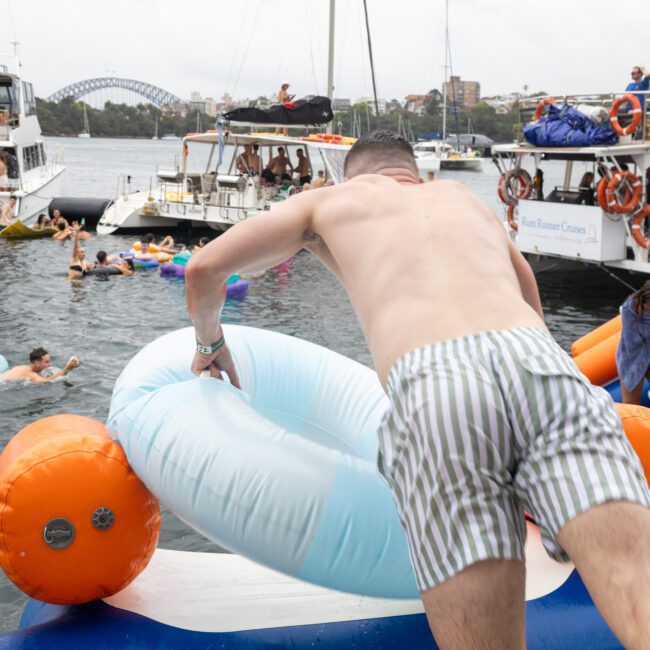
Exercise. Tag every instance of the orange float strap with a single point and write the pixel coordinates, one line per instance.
(598, 363)
(76, 523)
(636, 114)
(543, 103)
(596, 336)
(510, 216)
(630, 202)
(636, 226)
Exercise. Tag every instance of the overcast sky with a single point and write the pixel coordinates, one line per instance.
(248, 47)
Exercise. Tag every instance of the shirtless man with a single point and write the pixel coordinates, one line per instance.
(39, 360)
(285, 99)
(278, 165)
(488, 417)
(244, 160)
(303, 168)
(8, 212)
(319, 181)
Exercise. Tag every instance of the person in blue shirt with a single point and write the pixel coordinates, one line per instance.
(640, 81)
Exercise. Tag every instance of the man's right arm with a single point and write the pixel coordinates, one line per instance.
(526, 279)
(35, 378)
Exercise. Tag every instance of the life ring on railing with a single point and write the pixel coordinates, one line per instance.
(631, 200)
(636, 226)
(510, 216)
(636, 114)
(508, 192)
(547, 101)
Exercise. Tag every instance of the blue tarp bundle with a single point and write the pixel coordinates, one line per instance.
(565, 126)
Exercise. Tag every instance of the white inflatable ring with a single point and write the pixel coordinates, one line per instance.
(284, 472)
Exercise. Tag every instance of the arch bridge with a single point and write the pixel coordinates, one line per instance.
(152, 93)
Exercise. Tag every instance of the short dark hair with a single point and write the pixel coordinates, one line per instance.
(149, 238)
(36, 354)
(61, 226)
(377, 147)
(101, 256)
(204, 240)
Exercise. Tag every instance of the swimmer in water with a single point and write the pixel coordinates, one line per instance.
(39, 360)
(124, 266)
(202, 242)
(79, 265)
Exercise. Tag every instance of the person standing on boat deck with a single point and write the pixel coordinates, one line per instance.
(633, 352)
(278, 166)
(243, 162)
(487, 415)
(11, 163)
(286, 100)
(640, 82)
(8, 212)
(255, 160)
(39, 360)
(303, 168)
(586, 188)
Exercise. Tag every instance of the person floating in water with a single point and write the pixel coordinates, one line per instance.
(79, 265)
(204, 241)
(39, 360)
(488, 417)
(633, 353)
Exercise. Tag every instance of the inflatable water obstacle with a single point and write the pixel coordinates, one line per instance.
(281, 473)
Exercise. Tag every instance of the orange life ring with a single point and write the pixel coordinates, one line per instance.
(547, 101)
(636, 114)
(631, 201)
(508, 192)
(510, 216)
(636, 226)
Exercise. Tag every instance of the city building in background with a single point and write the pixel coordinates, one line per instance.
(461, 93)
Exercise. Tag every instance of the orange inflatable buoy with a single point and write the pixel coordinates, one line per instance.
(76, 523)
(596, 336)
(510, 216)
(636, 114)
(636, 225)
(636, 423)
(598, 363)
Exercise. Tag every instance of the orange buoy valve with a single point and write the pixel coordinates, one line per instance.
(76, 523)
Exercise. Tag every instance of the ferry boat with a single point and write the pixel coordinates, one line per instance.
(33, 178)
(219, 196)
(595, 209)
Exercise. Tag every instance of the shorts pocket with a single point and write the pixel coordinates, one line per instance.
(552, 365)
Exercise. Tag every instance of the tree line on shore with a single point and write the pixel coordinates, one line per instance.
(65, 118)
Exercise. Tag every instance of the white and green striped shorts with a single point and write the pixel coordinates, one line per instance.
(483, 427)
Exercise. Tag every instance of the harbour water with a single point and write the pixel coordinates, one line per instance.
(104, 321)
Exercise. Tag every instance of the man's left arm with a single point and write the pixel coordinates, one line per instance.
(254, 245)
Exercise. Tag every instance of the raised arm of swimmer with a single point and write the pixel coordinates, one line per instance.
(250, 246)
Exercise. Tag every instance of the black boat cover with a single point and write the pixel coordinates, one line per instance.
(312, 112)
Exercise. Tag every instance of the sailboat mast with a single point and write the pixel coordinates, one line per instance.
(330, 58)
(444, 88)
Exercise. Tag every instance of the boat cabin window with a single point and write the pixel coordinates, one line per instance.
(31, 157)
(30, 100)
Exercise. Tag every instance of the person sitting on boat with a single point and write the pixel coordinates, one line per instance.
(319, 181)
(633, 352)
(303, 168)
(586, 189)
(8, 212)
(124, 266)
(39, 360)
(202, 242)
(79, 265)
(487, 416)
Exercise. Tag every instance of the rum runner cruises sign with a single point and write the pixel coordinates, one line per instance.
(577, 231)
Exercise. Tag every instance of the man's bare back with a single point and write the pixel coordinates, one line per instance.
(421, 262)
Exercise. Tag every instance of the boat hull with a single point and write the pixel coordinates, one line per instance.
(462, 164)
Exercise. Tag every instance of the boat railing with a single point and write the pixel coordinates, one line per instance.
(528, 106)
